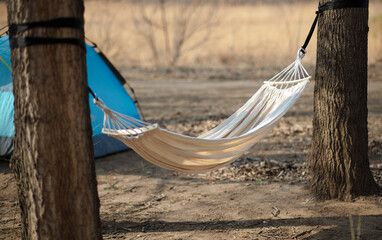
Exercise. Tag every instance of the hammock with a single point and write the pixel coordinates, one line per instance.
(222, 144)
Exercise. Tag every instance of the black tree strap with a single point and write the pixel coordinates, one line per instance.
(54, 23)
(336, 4)
(310, 32)
(92, 93)
(14, 29)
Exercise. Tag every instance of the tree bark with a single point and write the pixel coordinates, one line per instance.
(339, 161)
(53, 157)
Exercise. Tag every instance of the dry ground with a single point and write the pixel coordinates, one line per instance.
(263, 195)
(240, 201)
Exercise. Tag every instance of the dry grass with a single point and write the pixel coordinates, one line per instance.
(375, 32)
(247, 35)
(251, 35)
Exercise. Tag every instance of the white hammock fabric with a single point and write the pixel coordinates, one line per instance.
(224, 143)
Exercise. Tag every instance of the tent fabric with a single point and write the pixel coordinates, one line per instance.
(7, 129)
(101, 80)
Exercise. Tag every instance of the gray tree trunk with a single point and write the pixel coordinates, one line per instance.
(53, 158)
(339, 161)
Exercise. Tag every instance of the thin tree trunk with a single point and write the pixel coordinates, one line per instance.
(53, 158)
(339, 160)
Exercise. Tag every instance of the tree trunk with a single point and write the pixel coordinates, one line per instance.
(339, 160)
(53, 158)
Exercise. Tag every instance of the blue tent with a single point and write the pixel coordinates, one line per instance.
(103, 79)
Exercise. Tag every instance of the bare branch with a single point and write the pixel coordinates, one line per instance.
(176, 25)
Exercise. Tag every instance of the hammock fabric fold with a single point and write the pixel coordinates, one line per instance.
(222, 144)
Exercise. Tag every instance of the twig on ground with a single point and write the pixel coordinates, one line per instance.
(6, 212)
(7, 183)
(277, 212)
(131, 189)
(303, 233)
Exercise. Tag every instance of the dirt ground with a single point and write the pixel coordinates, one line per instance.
(263, 195)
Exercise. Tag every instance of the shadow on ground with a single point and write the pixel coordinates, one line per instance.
(331, 226)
